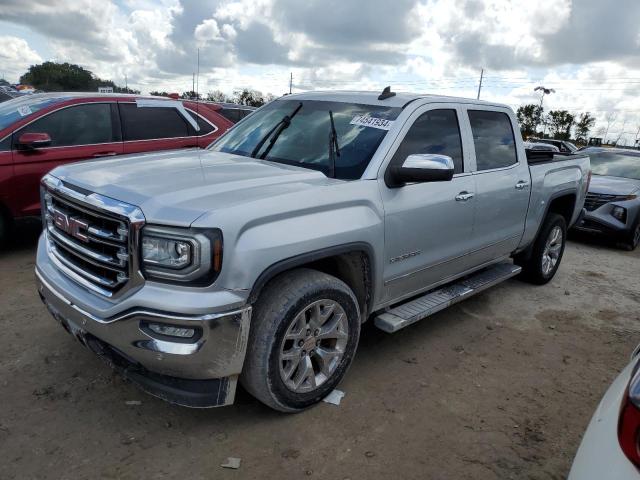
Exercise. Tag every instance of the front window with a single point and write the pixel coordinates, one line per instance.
(88, 124)
(615, 164)
(306, 137)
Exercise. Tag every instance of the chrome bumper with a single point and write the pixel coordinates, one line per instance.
(198, 372)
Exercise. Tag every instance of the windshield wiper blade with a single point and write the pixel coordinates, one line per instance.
(334, 148)
(278, 129)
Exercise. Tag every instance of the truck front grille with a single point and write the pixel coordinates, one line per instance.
(92, 239)
(594, 201)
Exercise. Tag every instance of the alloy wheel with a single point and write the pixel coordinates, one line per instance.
(552, 249)
(313, 346)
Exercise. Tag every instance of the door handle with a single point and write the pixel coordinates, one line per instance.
(464, 196)
(104, 154)
(521, 185)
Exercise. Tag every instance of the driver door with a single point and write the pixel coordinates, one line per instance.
(428, 226)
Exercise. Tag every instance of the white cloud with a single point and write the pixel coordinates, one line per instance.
(585, 49)
(15, 57)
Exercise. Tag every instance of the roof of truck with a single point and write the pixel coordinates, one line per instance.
(400, 99)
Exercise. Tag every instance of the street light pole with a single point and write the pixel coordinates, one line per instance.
(545, 91)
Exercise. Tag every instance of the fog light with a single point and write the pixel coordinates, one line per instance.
(171, 330)
(620, 213)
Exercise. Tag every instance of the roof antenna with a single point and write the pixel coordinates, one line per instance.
(386, 93)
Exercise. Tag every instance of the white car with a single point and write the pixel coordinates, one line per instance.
(610, 448)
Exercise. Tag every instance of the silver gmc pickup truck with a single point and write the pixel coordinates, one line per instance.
(258, 259)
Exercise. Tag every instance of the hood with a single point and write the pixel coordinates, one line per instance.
(613, 185)
(176, 187)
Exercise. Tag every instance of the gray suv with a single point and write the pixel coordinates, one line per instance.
(258, 260)
(613, 201)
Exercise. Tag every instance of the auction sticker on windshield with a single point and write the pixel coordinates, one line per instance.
(373, 122)
(24, 110)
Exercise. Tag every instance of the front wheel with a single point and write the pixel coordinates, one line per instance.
(303, 336)
(633, 239)
(543, 262)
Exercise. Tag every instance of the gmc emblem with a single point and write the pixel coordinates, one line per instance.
(71, 225)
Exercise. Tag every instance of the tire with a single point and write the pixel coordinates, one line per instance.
(5, 228)
(542, 264)
(278, 351)
(633, 239)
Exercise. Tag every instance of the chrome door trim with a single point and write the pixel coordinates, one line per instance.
(451, 259)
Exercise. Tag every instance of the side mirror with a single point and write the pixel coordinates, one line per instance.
(424, 167)
(33, 141)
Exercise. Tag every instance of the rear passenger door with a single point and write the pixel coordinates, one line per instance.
(146, 129)
(502, 184)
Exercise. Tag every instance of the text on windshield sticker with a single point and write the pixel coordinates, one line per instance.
(24, 110)
(373, 122)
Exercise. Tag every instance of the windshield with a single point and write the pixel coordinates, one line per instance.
(571, 146)
(305, 138)
(615, 164)
(13, 110)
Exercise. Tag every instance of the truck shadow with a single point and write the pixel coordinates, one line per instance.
(24, 236)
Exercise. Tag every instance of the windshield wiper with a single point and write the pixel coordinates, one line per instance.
(334, 148)
(275, 131)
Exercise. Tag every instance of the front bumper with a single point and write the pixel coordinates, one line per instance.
(602, 224)
(199, 372)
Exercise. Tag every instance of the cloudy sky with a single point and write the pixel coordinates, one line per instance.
(587, 50)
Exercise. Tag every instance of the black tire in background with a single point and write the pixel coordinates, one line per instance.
(5, 227)
(533, 266)
(633, 239)
(275, 311)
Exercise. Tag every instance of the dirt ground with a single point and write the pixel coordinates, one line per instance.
(500, 386)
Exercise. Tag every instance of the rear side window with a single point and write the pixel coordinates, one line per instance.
(232, 114)
(435, 131)
(5, 145)
(205, 127)
(148, 123)
(493, 139)
(87, 124)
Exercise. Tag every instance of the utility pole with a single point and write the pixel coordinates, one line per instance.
(126, 84)
(193, 83)
(480, 84)
(290, 83)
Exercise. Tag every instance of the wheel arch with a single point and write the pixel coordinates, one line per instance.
(352, 263)
(563, 203)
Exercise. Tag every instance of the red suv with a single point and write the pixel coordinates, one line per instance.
(39, 132)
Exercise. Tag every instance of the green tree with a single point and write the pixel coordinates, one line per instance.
(584, 124)
(246, 96)
(218, 96)
(67, 77)
(156, 93)
(51, 76)
(560, 123)
(191, 95)
(529, 117)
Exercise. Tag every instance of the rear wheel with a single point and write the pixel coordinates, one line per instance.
(543, 262)
(304, 334)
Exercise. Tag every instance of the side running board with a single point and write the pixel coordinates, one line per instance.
(415, 310)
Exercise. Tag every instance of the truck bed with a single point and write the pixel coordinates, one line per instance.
(551, 177)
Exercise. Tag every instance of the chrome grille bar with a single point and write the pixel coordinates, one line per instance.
(91, 238)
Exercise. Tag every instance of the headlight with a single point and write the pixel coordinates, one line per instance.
(186, 256)
(165, 252)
